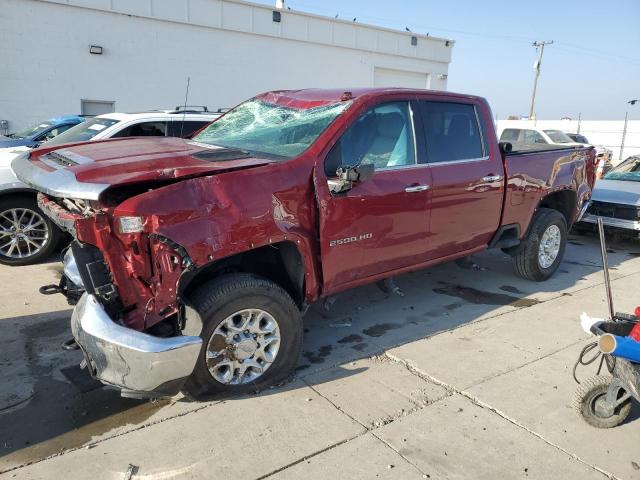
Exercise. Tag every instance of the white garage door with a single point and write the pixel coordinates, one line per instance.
(386, 77)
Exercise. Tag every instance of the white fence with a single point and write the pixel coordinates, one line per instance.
(607, 133)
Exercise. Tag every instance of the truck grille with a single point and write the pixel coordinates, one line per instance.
(614, 210)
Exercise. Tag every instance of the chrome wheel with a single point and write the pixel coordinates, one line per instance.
(549, 246)
(243, 346)
(23, 233)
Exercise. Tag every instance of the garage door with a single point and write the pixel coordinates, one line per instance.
(386, 77)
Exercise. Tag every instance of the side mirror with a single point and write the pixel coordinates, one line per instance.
(348, 175)
(505, 147)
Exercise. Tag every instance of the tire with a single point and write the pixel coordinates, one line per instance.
(526, 259)
(585, 400)
(217, 301)
(50, 233)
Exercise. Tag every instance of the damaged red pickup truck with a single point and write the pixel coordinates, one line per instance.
(196, 258)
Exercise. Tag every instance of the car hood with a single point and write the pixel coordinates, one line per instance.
(87, 170)
(8, 154)
(14, 142)
(617, 191)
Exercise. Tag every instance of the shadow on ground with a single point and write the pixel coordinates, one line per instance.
(62, 408)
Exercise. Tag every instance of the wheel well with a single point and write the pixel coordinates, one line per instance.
(17, 193)
(279, 262)
(564, 201)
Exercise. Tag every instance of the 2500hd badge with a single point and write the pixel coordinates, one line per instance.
(343, 241)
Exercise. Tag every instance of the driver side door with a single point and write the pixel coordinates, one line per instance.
(379, 225)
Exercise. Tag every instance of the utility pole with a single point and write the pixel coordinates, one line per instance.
(540, 48)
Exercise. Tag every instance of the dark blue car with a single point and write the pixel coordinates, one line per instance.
(41, 132)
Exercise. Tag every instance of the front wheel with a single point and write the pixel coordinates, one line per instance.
(27, 236)
(540, 253)
(252, 336)
(590, 403)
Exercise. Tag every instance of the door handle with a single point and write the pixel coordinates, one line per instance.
(417, 188)
(492, 178)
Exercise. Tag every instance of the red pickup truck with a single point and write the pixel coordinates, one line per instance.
(195, 259)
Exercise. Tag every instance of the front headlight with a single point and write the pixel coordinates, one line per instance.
(130, 224)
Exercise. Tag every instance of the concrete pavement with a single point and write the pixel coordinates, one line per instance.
(466, 376)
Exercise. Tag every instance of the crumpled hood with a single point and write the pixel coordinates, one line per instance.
(86, 170)
(617, 191)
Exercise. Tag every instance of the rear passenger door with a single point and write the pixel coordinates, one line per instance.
(186, 128)
(467, 182)
(143, 129)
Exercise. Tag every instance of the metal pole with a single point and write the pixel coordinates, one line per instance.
(624, 134)
(579, 121)
(541, 46)
(605, 268)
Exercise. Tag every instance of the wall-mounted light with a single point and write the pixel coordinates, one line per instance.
(414, 40)
(95, 50)
(446, 44)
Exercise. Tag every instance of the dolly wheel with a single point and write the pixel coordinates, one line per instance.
(590, 402)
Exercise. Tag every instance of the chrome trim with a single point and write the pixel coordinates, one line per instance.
(583, 210)
(417, 188)
(492, 178)
(70, 269)
(59, 183)
(128, 359)
(465, 160)
(613, 222)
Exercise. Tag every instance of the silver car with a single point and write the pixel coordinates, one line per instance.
(616, 198)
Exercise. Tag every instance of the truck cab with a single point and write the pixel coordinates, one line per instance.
(193, 260)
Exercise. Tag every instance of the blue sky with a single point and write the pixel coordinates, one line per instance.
(593, 67)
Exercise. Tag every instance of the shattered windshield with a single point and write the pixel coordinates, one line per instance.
(264, 128)
(627, 170)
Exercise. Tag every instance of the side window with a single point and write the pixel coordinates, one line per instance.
(54, 132)
(144, 129)
(509, 135)
(531, 137)
(451, 132)
(382, 136)
(178, 128)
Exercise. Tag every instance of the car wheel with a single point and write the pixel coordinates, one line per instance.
(27, 236)
(541, 251)
(252, 336)
(589, 402)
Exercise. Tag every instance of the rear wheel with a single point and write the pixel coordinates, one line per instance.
(252, 335)
(27, 236)
(590, 403)
(540, 253)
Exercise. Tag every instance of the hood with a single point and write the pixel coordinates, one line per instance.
(86, 170)
(14, 142)
(8, 154)
(617, 191)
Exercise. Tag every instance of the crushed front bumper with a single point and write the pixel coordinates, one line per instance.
(139, 364)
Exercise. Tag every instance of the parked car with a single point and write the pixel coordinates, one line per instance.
(616, 198)
(40, 132)
(603, 154)
(27, 235)
(533, 137)
(199, 256)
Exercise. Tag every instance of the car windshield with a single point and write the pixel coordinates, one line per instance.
(558, 137)
(33, 130)
(268, 129)
(627, 170)
(84, 131)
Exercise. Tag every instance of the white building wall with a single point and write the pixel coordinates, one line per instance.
(607, 133)
(230, 49)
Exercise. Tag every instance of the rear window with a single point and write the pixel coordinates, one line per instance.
(509, 135)
(452, 132)
(84, 131)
